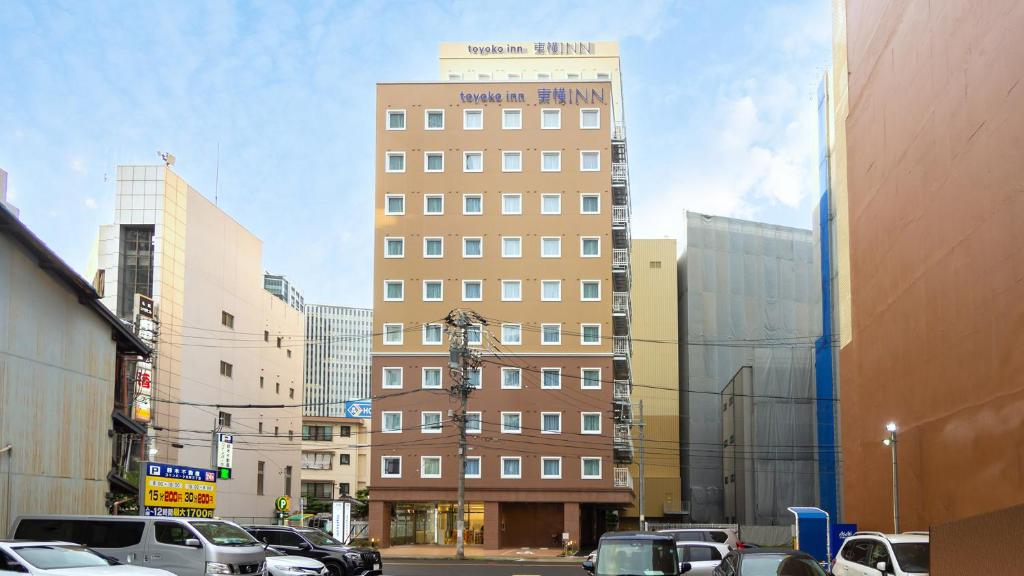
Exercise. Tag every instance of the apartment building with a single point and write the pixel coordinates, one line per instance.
(338, 344)
(279, 286)
(509, 199)
(335, 459)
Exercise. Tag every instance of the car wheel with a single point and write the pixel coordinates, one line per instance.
(335, 569)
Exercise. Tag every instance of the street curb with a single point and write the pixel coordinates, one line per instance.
(519, 559)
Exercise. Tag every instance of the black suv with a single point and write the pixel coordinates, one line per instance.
(636, 553)
(341, 560)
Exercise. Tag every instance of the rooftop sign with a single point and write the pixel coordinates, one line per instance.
(528, 49)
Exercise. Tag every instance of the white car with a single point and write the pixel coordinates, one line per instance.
(703, 557)
(281, 564)
(63, 559)
(874, 554)
(727, 536)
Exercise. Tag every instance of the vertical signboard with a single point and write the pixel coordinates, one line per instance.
(225, 454)
(145, 328)
(341, 521)
(177, 491)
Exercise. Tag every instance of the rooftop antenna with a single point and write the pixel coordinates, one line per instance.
(167, 157)
(216, 178)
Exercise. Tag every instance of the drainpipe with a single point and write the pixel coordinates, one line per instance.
(10, 454)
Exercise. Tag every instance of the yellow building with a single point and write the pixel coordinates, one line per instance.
(335, 458)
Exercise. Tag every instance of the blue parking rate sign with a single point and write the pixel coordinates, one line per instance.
(358, 409)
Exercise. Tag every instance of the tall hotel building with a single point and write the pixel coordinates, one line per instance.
(503, 190)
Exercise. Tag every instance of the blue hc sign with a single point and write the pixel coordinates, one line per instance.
(358, 409)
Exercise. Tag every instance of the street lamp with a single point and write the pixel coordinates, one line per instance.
(891, 443)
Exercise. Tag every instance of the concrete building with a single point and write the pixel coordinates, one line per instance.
(335, 459)
(750, 297)
(508, 198)
(3, 195)
(933, 129)
(280, 286)
(222, 339)
(338, 344)
(65, 364)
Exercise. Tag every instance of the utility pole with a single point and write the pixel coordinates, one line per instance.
(460, 361)
(640, 423)
(891, 443)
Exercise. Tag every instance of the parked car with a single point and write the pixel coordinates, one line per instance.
(636, 553)
(703, 557)
(873, 553)
(183, 546)
(768, 562)
(281, 564)
(727, 536)
(63, 559)
(340, 559)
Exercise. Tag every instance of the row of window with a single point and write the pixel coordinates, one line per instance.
(511, 161)
(323, 460)
(511, 467)
(511, 119)
(392, 378)
(511, 247)
(456, 76)
(511, 422)
(325, 432)
(473, 204)
(511, 290)
(511, 334)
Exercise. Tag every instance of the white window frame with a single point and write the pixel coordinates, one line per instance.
(423, 377)
(465, 114)
(583, 418)
(423, 422)
(479, 467)
(387, 204)
(506, 343)
(384, 419)
(583, 334)
(551, 195)
(509, 430)
(543, 334)
(479, 371)
(479, 418)
(465, 155)
(584, 152)
(583, 379)
(544, 298)
(465, 197)
(583, 298)
(507, 153)
(582, 111)
(387, 162)
(545, 476)
(510, 195)
(427, 239)
(384, 334)
(517, 238)
(517, 476)
(590, 195)
(425, 330)
(509, 370)
(384, 377)
(383, 467)
(425, 282)
(557, 111)
(426, 118)
(483, 76)
(555, 369)
(509, 282)
(388, 239)
(557, 431)
(426, 204)
(423, 466)
(400, 283)
(583, 467)
(542, 168)
(572, 76)
(479, 329)
(466, 298)
(583, 240)
(426, 163)
(543, 238)
(477, 238)
(604, 76)
(543, 76)
(452, 77)
(504, 113)
(387, 119)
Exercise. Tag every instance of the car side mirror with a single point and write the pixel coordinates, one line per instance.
(685, 567)
(193, 543)
(588, 566)
(881, 567)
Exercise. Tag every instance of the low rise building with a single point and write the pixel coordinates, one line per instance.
(335, 459)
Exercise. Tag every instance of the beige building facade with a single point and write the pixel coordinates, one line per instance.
(335, 459)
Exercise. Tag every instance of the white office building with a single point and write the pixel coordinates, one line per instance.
(337, 357)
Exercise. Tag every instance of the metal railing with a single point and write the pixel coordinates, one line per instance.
(622, 478)
(620, 215)
(619, 173)
(620, 303)
(619, 133)
(620, 259)
(620, 390)
(620, 346)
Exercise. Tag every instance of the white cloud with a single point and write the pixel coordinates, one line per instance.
(90, 203)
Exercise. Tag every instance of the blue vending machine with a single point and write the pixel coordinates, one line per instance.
(811, 533)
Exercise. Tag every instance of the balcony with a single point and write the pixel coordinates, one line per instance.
(620, 174)
(620, 260)
(622, 478)
(620, 390)
(622, 347)
(622, 444)
(619, 133)
(622, 411)
(620, 303)
(620, 217)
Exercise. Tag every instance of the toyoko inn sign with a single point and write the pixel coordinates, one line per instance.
(533, 49)
(579, 96)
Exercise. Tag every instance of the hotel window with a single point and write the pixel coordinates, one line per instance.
(603, 76)
(390, 466)
(396, 120)
(511, 119)
(590, 247)
(550, 422)
(453, 77)
(514, 76)
(391, 422)
(551, 378)
(430, 422)
(551, 334)
(392, 378)
(476, 378)
(590, 378)
(551, 161)
(433, 161)
(511, 161)
(432, 334)
(550, 290)
(433, 291)
(431, 378)
(511, 247)
(433, 204)
(475, 335)
(550, 118)
(551, 468)
(483, 76)
(511, 290)
(550, 203)
(590, 160)
(511, 334)
(474, 422)
(511, 423)
(572, 76)
(345, 459)
(472, 119)
(590, 204)
(433, 120)
(394, 247)
(590, 334)
(590, 468)
(472, 290)
(511, 379)
(511, 467)
(433, 247)
(590, 290)
(394, 204)
(472, 248)
(511, 203)
(472, 205)
(430, 466)
(472, 466)
(590, 118)
(590, 422)
(473, 162)
(543, 76)
(393, 334)
(227, 319)
(394, 162)
(394, 290)
(551, 247)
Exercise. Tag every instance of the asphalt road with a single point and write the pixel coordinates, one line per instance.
(480, 567)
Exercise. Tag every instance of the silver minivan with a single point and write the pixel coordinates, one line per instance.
(184, 546)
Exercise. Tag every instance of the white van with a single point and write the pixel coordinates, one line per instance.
(184, 546)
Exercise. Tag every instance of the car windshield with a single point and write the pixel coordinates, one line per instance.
(58, 557)
(319, 538)
(271, 552)
(637, 558)
(224, 534)
(912, 556)
(762, 564)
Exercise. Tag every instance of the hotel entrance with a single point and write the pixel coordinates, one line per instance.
(435, 524)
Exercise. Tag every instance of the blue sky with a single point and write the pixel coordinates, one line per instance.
(719, 100)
